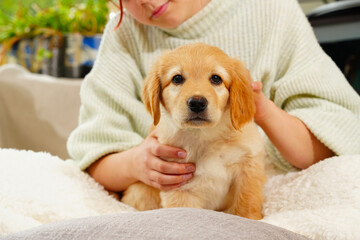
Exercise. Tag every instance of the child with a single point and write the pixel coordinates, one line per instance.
(304, 104)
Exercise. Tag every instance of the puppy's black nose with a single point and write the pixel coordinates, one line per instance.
(197, 104)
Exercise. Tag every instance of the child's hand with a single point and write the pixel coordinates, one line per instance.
(289, 134)
(263, 105)
(150, 168)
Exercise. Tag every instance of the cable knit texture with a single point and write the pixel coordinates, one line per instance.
(272, 37)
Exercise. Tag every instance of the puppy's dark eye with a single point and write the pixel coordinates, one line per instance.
(178, 79)
(215, 79)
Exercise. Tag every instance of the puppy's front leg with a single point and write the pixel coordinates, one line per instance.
(142, 197)
(181, 198)
(248, 186)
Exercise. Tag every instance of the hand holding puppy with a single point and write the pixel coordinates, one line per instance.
(150, 168)
(143, 163)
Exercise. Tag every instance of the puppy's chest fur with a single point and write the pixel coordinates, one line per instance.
(215, 151)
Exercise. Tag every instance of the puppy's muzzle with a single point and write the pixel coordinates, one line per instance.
(197, 104)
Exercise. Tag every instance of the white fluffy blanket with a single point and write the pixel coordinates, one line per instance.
(322, 202)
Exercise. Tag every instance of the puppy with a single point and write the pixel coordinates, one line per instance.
(201, 101)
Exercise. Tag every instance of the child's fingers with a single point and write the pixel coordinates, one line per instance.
(256, 86)
(166, 179)
(164, 151)
(165, 167)
(170, 175)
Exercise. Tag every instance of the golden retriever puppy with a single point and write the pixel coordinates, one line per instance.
(201, 100)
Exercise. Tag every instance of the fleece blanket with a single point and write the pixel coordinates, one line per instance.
(321, 202)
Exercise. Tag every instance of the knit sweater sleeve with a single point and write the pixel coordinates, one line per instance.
(112, 116)
(310, 87)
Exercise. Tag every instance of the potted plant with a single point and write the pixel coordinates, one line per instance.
(80, 26)
(64, 38)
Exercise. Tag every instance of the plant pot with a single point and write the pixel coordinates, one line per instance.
(90, 48)
(80, 54)
(25, 53)
(51, 54)
(11, 55)
(72, 64)
(70, 56)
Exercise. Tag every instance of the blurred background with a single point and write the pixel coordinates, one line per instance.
(61, 37)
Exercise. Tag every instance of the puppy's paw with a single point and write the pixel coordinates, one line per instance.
(142, 197)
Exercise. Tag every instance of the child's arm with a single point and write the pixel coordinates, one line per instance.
(288, 134)
(142, 163)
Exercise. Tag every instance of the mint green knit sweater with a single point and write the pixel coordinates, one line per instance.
(272, 37)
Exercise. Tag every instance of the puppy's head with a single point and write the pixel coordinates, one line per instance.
(197, 84)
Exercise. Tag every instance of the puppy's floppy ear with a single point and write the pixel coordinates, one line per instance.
(242, 105)
(151, 93)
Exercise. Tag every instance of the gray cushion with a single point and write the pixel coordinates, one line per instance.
(174, 223)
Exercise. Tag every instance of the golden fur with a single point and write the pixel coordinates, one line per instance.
(222, 140)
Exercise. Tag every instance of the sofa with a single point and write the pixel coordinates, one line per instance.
(37, 112)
